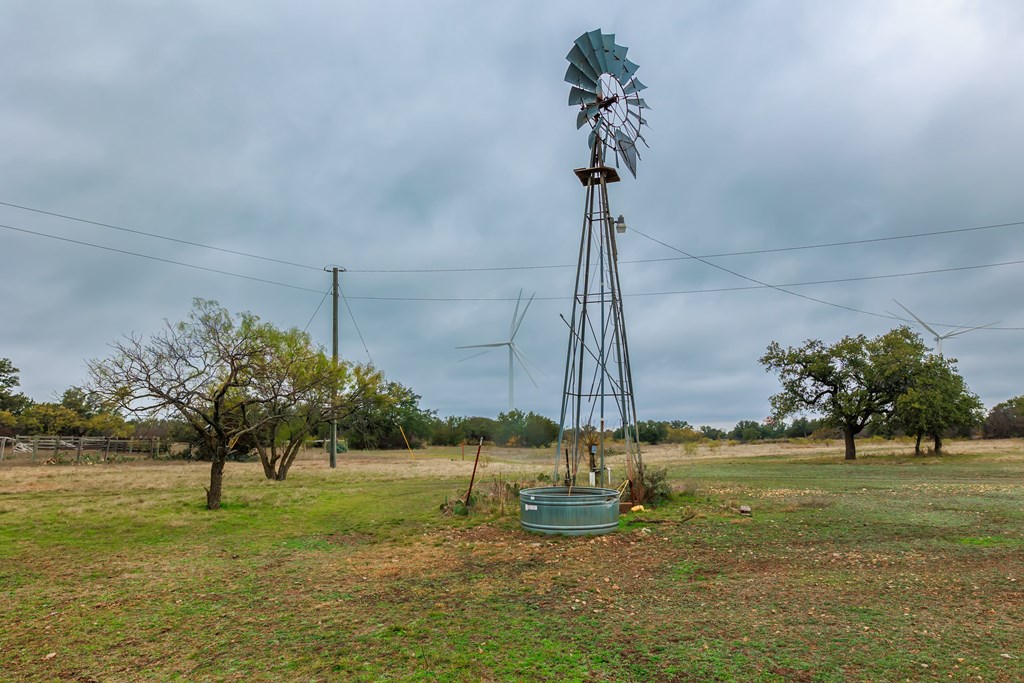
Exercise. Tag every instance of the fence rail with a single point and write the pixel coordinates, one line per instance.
(80, 446)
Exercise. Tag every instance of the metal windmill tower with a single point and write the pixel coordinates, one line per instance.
(598, 380)
(956, 331)
(513, 350)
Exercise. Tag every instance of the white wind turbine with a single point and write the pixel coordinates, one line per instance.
(939, 337)
(513, 350)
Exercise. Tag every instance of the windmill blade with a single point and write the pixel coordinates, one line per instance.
(634, 133)
(608, 53)
(633, 86)
(628, 150)
(596, 55)
(515, 330)
(576, 76)
(581, 96)
(577, 57)
(628, 69)
(582, 118)
(617, 58)
(588, 43)
(923, 323)
(635, 113)
(518, 354)
(637, 102)
(481, 346)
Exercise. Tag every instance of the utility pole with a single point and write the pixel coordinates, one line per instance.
(334, 357)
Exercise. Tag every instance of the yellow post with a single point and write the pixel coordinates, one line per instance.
(406, 439)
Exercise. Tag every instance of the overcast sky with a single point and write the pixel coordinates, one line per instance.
(402, 136)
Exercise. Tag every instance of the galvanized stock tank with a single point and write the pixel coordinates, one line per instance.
(576, 511)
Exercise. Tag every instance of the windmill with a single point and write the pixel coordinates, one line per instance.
(956, 331)
(513, 350)
(598, 377)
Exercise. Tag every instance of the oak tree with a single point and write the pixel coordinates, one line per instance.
(937, 401)
(849, 382)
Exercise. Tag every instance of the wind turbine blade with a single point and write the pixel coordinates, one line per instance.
(512, 325)
(969, 329)
(525, 309)
(897, 317)
(923, 323)
(523, 365)
(474, 355)
(523, 357)
(480, 346)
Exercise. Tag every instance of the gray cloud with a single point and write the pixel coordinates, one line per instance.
(411, 136)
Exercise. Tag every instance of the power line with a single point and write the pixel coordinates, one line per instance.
(318, 308)
(356, 325)
(778, 287)
(758, 284)
(716, 290)
(887, 276)
(158, 258)
(471, 269)
(156, 236)
(690, 257)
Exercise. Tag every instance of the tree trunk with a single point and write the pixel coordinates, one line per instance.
(268, 466)
(216, 482)
(938, 444)
(917, 446)
(851, 447)
(290, 451)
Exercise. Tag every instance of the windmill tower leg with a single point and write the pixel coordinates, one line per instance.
(597, 369)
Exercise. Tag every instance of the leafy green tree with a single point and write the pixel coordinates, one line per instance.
(51, 418)
(937, 402)
(108, 423)
(1005, 420)
(848, 382)
(447, 432)
(652, 431)
(540, 430)
(480, 428)
(379, 416)
(801, 427)
(511, 428)
(747, 430)
(85, 404)
(295, 388)
(680, 431)
(10, 401)
(713, 433)
(198, 369)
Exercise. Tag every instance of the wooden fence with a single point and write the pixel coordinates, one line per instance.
(58, 447)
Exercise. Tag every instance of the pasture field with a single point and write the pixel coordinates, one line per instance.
(890, 568)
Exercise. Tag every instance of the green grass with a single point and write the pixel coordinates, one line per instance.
(886, 569)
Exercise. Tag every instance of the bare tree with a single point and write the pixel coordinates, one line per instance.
(201, 369)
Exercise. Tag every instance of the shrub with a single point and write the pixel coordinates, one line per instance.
(657, 488)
